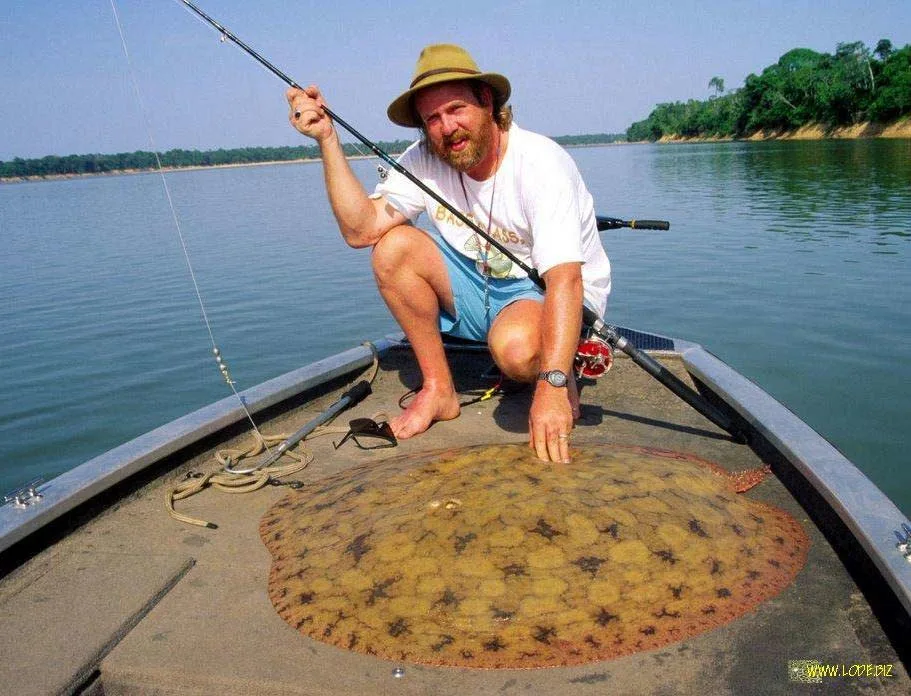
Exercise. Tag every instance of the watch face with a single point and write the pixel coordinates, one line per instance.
(556, 378)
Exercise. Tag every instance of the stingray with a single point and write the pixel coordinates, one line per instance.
(487, 557)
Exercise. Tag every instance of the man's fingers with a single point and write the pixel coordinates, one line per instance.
(303, 101)
(550, 444)
(296, 94)
(558, 447)
(563, 441)
(553, 448)
(539, 442)
(307, 117)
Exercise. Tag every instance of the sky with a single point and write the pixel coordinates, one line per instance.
(575, 67)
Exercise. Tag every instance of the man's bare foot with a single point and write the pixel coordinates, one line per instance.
(431, 404)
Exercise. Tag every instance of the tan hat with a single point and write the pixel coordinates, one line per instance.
(442, 63)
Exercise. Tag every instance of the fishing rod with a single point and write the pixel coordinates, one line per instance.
(607, 332)
(612, 223)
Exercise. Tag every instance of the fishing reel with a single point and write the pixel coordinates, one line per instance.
(594, 357)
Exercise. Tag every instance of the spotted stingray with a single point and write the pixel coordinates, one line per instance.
(487, 557)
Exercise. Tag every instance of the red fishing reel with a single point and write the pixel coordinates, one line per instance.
(593, 357)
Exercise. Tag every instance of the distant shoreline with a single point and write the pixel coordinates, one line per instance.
(861, 131)
(812, 131)
(63, 167)
(192, 168)
(166, 170)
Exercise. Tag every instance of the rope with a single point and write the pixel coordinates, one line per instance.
(229, 482)
(234, 483)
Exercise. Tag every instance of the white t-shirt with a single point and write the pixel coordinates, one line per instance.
(542, 211)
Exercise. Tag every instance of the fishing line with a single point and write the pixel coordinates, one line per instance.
(222, 366)
(611, 334)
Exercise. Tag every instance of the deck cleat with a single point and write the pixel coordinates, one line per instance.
(904, 542)
(25, 495)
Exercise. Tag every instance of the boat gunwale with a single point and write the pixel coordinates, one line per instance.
(867, 512)
(67, 491)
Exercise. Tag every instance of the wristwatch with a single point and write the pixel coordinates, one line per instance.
(555, 378)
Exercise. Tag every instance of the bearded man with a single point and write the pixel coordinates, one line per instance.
(523, 190)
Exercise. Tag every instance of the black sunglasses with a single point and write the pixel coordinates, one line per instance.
(368, 434)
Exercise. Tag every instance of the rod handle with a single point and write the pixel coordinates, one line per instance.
(650, 224)
(357, 393)
(612, 223)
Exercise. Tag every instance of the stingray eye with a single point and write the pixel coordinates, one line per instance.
(444, 504)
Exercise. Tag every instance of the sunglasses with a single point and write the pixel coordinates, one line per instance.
(368, 434)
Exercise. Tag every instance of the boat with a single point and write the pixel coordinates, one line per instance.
(102, 592)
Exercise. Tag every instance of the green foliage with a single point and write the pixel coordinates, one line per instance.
(53, 165)
(717, 83)
(804, 86)
(883, 48)
(590, 139)
(893, 94)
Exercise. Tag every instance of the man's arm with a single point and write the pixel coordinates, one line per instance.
(362, 220)
(551, 413)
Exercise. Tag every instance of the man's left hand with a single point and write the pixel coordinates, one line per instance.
(550, 421)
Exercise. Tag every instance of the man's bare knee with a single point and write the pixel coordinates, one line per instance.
(396, 249)
(407, 263)
(516, 352)
(515, 340)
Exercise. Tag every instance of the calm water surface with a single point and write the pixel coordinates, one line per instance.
(788, 260)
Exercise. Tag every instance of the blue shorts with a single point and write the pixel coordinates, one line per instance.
(472, 319)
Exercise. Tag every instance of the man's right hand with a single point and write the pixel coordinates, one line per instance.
(307, 115)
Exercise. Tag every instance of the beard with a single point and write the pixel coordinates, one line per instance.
(476, 147)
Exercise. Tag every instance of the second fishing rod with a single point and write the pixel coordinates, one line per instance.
(606, 331)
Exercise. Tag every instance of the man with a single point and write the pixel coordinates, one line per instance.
(521, 188)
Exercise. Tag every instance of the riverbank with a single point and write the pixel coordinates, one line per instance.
(812, 131)
(166, 170)
(815, 131)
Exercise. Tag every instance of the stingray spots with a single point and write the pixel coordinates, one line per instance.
(483, 558)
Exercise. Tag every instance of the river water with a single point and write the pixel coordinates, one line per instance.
(789, 260)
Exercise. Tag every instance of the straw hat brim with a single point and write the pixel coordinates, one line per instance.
(401, 111)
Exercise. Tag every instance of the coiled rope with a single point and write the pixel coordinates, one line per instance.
(230, 482)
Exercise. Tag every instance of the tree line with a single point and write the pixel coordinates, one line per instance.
(141, 160)
(853, 85)
(590, 139)
(53, 165)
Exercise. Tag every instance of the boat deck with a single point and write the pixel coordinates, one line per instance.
(134, 602)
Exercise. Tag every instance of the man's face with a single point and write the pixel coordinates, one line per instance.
(459, 129)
